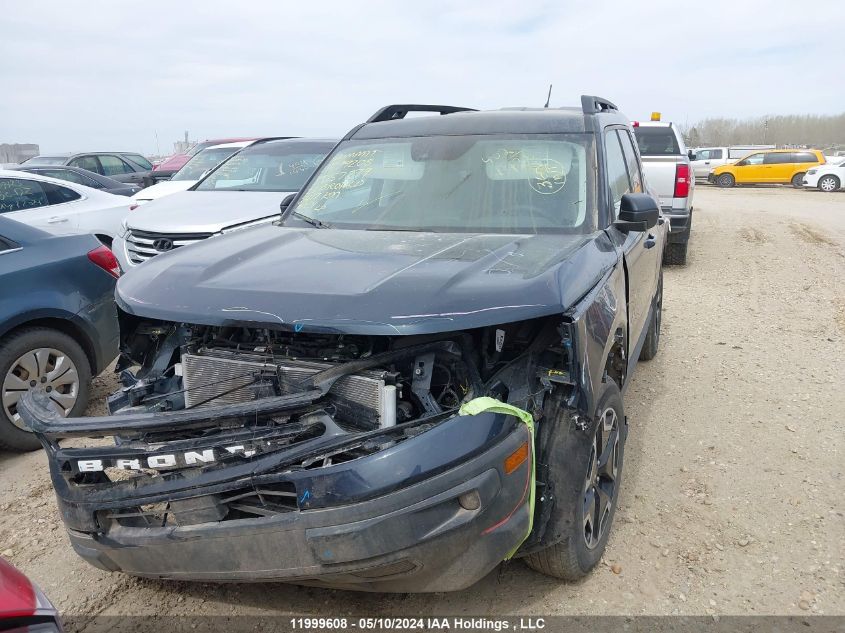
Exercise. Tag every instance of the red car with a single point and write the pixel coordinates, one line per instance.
(22, 605)
(175, 162)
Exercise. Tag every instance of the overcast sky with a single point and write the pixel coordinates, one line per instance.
(112, 75)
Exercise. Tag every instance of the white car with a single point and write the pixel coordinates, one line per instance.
(61, 207)
(244, 190)
(828, 177)
(190, 173)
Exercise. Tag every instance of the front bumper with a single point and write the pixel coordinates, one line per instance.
(811, 180)
(431, 512)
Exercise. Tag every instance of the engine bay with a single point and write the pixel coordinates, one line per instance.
(375, 381)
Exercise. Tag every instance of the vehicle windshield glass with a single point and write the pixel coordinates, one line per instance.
(47, 160)
(202, 162)
(273, 166)
(474, 184)
(656, 141)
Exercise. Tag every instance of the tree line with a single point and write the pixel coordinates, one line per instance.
(811, 130)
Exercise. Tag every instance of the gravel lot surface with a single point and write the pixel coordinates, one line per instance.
(732, 501)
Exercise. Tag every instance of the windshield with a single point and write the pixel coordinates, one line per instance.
(656, 141)
(46, 160)
(479, 184)
(273, 166)
(202, 162)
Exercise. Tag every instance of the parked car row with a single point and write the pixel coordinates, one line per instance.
(742, 165)
(774, 166)
(413, 372)
(82, 177)
(242, 191)
(126, 167)
(191, 171)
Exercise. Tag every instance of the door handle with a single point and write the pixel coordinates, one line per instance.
(650, 241)
(56, 220)
(707, 162)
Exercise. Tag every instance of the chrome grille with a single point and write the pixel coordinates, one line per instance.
(217, 379)
(140, 245)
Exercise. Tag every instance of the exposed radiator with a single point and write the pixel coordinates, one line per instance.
(216, 378)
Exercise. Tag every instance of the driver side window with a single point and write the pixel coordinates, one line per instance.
(617, 172)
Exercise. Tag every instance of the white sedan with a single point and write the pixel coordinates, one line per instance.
(828, 177)
(61, 207)
(190, 173)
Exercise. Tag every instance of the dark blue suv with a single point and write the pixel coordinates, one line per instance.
(58, 324)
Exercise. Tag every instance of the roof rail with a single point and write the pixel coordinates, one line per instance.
(398, 111)
(591, 104)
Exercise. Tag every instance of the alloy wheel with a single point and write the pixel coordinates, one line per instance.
(828, 183)
(601, 481)
(47, 370)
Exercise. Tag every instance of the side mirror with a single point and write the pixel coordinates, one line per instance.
(691, 155)
(637, 212)
(286, 202)
(741, 163)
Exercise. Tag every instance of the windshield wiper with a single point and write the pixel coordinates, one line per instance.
(312, 221)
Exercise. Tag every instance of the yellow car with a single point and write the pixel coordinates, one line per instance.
(768, 166)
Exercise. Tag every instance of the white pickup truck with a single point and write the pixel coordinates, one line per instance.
(706, 159)
(668, 173)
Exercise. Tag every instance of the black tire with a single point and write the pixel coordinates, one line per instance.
(18, 344)
(798, 180)
(675, 254)
(725, 180)
(652, 339)
(571, 464)
(833, 186)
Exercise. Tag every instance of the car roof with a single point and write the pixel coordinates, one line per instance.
(654, 124)
(233, 139)
(237, 144)
(79, 170)
(519, 120)
(72, 154)
(780, 151)
(294, 141)
(21, 173)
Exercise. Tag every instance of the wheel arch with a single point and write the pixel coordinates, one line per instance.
(64, 323)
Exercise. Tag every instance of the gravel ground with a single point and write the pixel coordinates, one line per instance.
(732, 499)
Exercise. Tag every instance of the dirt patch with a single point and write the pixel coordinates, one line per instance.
(752, 235)
(811, 235)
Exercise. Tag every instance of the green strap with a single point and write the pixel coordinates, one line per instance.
(485, 404)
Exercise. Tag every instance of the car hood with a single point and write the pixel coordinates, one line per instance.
(366, 282)
(164, 188)
(205, 211)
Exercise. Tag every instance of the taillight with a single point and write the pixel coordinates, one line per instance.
(105, 259)
(681, 180)
(635, 123)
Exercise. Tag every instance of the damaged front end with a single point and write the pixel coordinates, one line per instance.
(308, 457)
(250, 453)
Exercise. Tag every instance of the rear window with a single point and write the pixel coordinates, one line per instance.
(656, 141)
